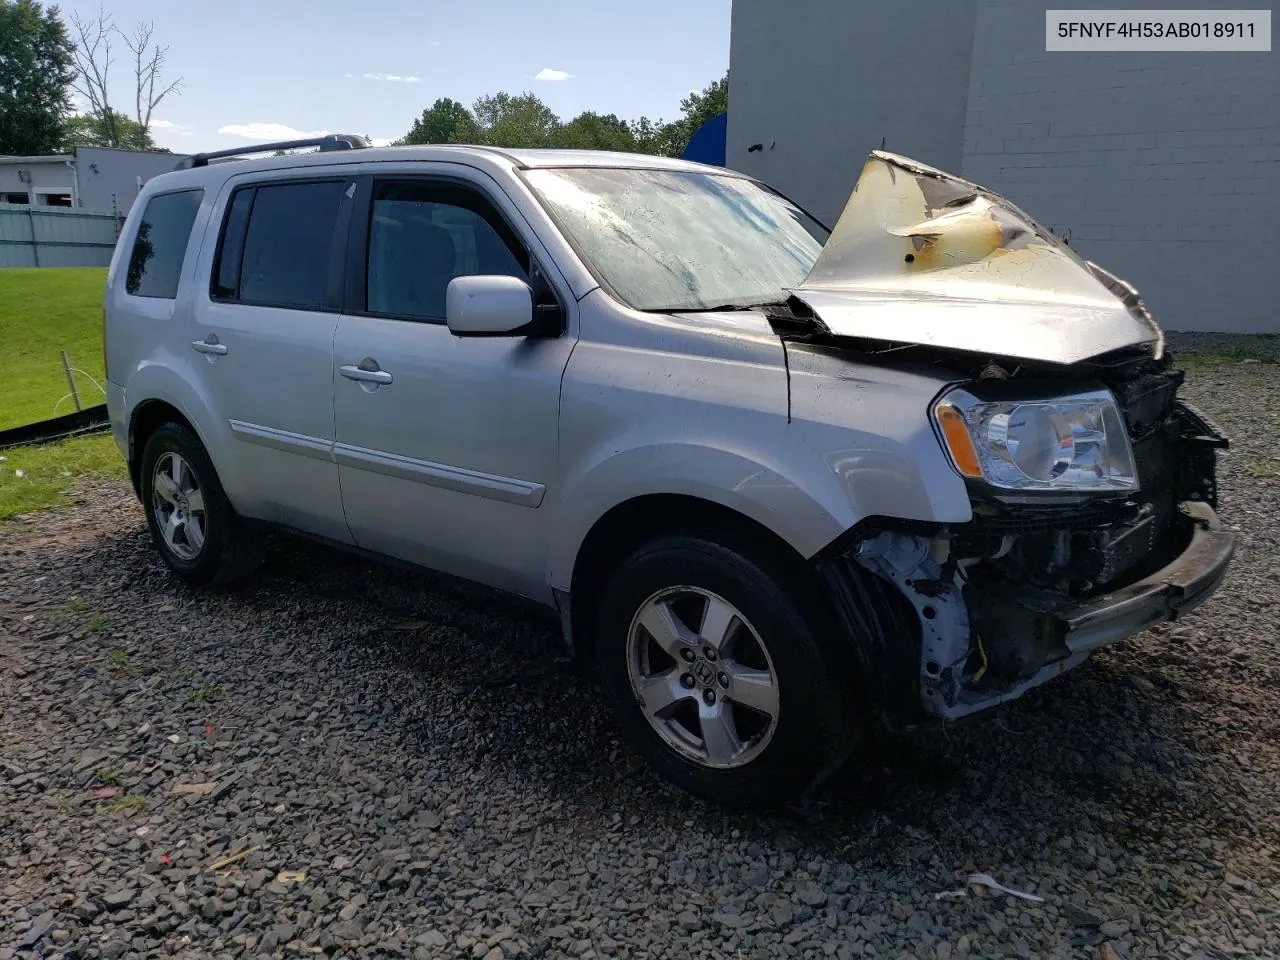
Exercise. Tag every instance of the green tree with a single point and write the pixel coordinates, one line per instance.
(503, 120)
(697, 108)
(36, 58)
(445, 121)
(594, 131)
(519, 121)
(91, 130)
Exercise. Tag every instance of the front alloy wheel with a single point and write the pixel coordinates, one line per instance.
(721, 671)
(703, 677)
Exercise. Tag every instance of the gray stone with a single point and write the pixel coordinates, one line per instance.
(811, 894)
(39, 927)
(348, 930)
(118, 899)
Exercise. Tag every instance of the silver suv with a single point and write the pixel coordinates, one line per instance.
(783, 485)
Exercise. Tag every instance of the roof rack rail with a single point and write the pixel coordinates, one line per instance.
(334, 141)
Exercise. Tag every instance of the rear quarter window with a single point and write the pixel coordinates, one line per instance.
(160, 245)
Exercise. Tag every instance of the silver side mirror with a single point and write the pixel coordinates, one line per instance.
(488, 306)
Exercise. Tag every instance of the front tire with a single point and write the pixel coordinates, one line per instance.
(193, 525)
(720, 673)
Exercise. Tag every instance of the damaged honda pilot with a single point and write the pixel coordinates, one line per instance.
(780, 484)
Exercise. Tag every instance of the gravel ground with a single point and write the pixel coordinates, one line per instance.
(442, 788)
(1264, 348)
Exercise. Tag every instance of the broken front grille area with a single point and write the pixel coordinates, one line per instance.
(1086, 548)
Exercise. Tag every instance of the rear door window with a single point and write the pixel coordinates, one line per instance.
(277, 244)
(160, 245)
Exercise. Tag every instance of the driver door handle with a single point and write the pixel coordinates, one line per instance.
(360, 373)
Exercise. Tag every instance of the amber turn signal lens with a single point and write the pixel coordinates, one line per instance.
(960, 445)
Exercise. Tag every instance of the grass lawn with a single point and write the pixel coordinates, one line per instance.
(44, 310)
(39, 476)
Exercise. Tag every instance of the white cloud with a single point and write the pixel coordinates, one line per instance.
(434, 43)
(391, 78)
(168, 126)
(268, 131)
(546, 73)
(381, 141)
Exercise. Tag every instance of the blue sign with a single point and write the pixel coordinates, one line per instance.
(707, 145)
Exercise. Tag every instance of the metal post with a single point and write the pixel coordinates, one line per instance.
(71, 381)
(31, 222)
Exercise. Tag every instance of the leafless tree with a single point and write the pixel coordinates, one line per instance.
(93, 60)
(93, 67)
(149, 60)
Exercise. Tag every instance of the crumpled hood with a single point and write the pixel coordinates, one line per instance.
(921, 256)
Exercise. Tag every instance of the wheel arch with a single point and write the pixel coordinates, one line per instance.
(143, 421)
(641, 519)
(157, 393)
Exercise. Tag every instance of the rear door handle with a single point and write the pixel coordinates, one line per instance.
(209, 345)
(363, 374)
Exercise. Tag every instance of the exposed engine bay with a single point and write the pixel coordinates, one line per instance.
(1030, 586)
(1091, 486)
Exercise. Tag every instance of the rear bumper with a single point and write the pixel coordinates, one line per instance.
(116, 412)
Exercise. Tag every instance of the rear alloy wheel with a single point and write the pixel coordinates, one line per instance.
(178, 504)
(195, 528)
(720, 672)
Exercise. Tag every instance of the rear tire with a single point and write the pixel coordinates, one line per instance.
(193, 525)
(721, 674)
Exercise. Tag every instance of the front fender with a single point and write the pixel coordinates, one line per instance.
(769, 494)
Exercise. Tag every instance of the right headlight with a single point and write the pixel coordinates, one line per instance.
(1075, 443)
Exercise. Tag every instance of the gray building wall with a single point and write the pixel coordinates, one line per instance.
(819, 83)
(106, 176)
(103, 184)
(1165, 167)
(45, 173)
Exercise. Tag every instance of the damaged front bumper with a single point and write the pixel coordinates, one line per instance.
(1164, 595)
(955, 629)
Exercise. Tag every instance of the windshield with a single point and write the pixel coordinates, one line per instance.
(668, 240)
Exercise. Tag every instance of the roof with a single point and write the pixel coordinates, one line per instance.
(49, 158)
(531, 158)
(144, 153)
(537, 158)
(479, 156)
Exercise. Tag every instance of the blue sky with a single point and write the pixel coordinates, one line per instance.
(264, 69)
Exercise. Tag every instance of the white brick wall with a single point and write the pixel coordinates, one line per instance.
(1164, 166)
(818, 83)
